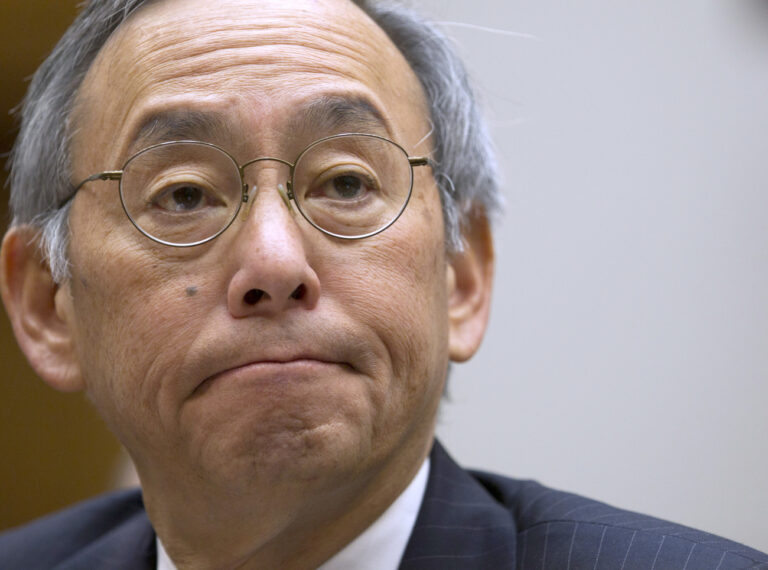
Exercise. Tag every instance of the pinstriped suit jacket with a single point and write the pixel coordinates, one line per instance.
(480, 520)
(467, 520)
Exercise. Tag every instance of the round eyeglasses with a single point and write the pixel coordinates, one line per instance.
(185, 193)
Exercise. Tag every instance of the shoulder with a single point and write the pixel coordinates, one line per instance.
(557, 529)
(104, 524)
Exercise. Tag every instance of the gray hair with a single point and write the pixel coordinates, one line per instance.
(465, 168)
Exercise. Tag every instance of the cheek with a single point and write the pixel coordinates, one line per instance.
(128, 291)
(136, 319)
(395, 284)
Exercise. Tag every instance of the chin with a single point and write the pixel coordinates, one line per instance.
(282, 453)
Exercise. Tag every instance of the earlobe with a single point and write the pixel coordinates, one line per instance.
(469, 281)
(39, 310)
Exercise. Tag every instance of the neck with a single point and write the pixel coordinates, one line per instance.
(290, 526)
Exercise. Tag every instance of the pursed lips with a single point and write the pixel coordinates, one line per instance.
(299, 367)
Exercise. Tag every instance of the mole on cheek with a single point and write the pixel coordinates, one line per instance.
(191, 291)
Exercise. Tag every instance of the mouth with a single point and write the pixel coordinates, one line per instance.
(277, 372)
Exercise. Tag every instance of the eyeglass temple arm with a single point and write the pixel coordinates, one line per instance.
(106, 175)
(419, 161)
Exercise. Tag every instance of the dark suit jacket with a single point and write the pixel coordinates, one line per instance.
(467, 520)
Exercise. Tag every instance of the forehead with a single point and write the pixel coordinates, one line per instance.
(257, 62)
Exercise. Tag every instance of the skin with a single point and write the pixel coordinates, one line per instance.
(266, 435)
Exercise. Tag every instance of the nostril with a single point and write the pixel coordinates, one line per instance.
(299, 292)
(253, 296)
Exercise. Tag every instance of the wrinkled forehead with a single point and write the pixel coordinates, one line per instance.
(241, 49)
(198, 26)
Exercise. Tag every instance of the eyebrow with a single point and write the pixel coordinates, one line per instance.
(332, 114)
(182, 124)
(325, 115)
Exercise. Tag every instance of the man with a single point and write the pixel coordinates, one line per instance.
(255, 233)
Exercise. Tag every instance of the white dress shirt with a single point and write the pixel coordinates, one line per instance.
(380, 546)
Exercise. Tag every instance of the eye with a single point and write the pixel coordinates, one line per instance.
(183, 198)
(344, 186)
(347, 187)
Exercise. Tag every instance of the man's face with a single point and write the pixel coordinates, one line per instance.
(198, 381)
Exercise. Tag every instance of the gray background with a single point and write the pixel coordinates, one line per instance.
(627, 356)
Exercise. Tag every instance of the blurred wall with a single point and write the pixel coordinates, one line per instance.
(627, 356)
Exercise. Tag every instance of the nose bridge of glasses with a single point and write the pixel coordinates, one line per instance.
(279, 186)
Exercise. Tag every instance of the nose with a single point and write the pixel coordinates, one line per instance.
(273, 272)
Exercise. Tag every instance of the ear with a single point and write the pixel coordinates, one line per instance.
(470, 279)
(39, 310)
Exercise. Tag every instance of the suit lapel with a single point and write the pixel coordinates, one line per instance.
(459, 525)
(130, 546)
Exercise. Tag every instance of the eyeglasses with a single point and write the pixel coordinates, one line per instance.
(185, 193)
